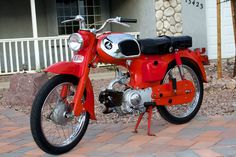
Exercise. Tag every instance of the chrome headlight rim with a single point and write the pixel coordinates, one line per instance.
(73, 39)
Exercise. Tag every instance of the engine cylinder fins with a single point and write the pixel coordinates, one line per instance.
(110, 99)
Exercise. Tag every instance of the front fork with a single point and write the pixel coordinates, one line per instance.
(78, 107)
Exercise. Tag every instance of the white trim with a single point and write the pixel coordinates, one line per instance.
(35, 33)
(34, 19)
(33, 39)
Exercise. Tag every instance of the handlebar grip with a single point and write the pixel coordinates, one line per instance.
(125, 20)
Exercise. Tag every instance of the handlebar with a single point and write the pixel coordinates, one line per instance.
(128, 20)
(117, 20)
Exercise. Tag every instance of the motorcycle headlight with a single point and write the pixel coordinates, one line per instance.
(75, 42)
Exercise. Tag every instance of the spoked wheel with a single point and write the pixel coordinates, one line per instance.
(53, 126)
(183, 113)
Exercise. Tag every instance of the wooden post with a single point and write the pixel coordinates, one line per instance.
(219, 58)
(233, 9)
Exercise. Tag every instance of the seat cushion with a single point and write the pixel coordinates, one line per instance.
(164, 44)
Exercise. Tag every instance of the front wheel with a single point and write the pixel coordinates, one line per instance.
(53, 126)
(183, 113)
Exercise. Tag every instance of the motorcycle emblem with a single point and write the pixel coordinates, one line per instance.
(108, 45)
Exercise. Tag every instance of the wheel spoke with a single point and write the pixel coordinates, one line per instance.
(57, 129)
(184, 110)
(63, 132)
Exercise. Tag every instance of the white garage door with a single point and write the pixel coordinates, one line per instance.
(228, 48)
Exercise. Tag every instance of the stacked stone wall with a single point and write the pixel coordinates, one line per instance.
(169, 18)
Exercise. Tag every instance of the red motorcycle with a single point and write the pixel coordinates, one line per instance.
(163, 73)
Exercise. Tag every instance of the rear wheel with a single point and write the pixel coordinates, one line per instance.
(54, 128)
(183, 113)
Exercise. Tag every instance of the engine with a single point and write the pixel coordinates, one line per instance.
(135, 99)
(125, 101)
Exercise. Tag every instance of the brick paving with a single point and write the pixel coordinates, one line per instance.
(202, 137)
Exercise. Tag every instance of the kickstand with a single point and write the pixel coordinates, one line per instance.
(138, 122)
(149, 110)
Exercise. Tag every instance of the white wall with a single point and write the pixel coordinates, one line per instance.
(228, 47)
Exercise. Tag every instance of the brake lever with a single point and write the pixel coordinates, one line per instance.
(66, 21)
(74, 18)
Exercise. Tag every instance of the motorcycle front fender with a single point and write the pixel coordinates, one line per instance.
(69, 68)
(89, 102)
(76, 69)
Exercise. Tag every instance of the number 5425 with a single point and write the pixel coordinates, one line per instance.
(195, 3)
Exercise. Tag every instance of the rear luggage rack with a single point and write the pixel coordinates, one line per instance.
(203, 55)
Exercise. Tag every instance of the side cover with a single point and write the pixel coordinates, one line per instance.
(148, 70)
(155, 70)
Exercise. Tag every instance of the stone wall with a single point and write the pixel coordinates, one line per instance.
(169, 18)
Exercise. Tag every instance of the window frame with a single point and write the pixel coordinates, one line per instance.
(66, 8)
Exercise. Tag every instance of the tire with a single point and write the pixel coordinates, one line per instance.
(37, 123)
(164, 110)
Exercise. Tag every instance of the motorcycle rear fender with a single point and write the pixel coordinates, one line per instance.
(76, 69)
(147, 71)
(194, 58)
(191, 56)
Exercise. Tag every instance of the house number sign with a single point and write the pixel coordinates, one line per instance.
(195, 3)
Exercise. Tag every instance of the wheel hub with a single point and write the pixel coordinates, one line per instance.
(59, 114)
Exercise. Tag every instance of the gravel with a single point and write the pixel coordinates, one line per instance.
(219, 96)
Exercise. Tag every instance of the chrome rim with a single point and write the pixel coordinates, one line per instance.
(58, 128)
(184, 110)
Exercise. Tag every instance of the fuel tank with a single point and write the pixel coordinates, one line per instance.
(118, 47)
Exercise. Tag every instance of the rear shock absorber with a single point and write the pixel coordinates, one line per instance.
(179, 64)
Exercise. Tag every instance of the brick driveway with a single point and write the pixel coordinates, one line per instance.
(201, 137)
